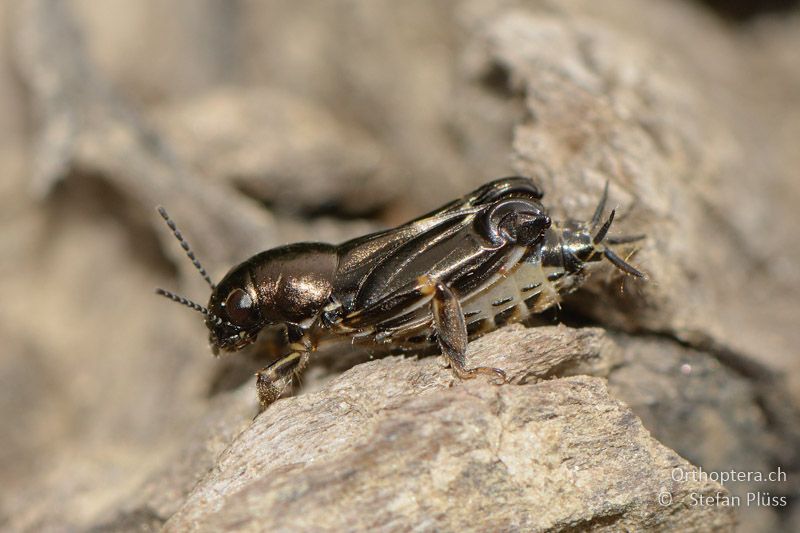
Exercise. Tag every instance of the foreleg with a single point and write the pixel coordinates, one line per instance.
(272, 380)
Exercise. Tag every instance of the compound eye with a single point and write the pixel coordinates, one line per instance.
(239, 306)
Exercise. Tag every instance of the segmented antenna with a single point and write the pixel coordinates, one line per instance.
(185, 246)
(188, 303)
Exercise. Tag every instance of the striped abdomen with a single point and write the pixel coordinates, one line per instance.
(532, 282)
(533, 286)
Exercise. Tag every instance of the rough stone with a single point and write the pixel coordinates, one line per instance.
(121, 420)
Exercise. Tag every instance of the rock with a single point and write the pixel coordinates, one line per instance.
(604, 102)
(395, 442)
(709, 414)
(120, 418)
(278, 149)
(556, 455)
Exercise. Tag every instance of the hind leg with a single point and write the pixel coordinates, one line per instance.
(451, 332)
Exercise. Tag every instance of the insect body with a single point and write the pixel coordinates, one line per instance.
(491, 257)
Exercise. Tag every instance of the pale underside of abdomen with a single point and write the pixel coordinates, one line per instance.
(527, 289)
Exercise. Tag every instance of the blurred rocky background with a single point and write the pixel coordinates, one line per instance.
(262, 123)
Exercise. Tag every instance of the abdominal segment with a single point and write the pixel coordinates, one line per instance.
(529, 289)
(525, 289)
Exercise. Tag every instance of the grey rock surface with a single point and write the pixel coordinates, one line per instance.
(258, 124)
(363, 455)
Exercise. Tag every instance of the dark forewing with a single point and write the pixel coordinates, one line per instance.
(379, 274)
(359, 257)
